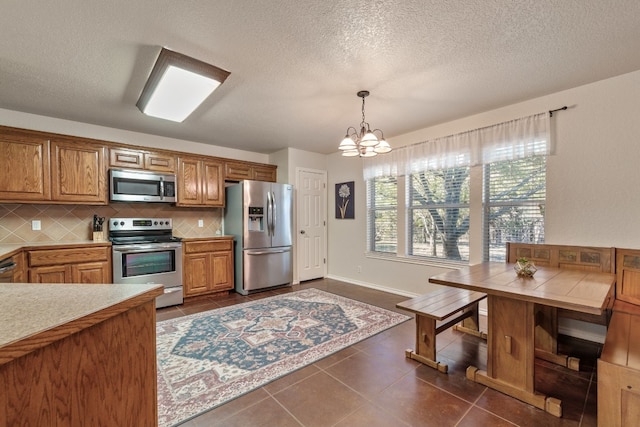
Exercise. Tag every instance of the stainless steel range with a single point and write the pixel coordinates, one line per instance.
(145, 251)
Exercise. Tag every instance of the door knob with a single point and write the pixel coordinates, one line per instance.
(301, 231)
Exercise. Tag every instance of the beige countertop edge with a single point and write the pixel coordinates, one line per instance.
(10, 249)
(35, 315)
(199, 238)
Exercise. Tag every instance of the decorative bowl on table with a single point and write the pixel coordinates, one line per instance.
(525, 268)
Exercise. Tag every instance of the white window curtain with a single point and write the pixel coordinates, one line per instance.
(515, 139)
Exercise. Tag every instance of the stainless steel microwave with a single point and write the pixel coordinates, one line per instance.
(141, 186)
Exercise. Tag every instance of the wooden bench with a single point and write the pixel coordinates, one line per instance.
(434, 313)
(619, 364)
(619, 369)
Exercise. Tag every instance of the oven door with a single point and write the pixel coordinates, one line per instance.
(151, 263)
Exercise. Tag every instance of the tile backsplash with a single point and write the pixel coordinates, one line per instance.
(68, 223)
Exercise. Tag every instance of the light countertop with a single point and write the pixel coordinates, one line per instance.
(33, 315)
(10, 249)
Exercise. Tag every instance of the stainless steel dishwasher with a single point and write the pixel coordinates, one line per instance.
(6, 270)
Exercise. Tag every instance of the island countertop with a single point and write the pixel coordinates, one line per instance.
(35, 315)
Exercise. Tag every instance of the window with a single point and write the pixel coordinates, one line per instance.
(382, 215)
(514, 203)
(461, 197)
(438, 214)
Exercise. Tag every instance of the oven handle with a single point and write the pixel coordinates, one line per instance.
(128, 249)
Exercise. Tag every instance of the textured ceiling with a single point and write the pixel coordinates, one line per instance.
(296, 65)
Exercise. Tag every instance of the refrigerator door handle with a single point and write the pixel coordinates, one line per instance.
(267, 252)
(269, 213)
(275, 213)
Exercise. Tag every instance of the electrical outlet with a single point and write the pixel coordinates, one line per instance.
(200, 223)
(36, 225)
(359, 269)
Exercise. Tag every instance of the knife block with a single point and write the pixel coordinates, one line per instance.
(98, 236)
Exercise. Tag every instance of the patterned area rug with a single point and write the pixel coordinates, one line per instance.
(209, 358)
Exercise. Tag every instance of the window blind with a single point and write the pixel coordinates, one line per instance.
(382, 215)
(438, 214)
(514, 204)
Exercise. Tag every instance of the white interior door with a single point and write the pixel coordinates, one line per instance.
(311, 223)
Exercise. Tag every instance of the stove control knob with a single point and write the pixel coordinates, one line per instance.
(115, 223)
(161, 222)
(122, 223)
(156, 223)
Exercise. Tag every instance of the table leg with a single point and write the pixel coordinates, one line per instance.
(546, 334)
(511, 353)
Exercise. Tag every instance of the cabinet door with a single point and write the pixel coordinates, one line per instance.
(91, 272)
(222, 279)
(25, 176)
(50, 274)
(78, 172)
(189, 182)
(159, 162)
(197, 273)
(264, 173)
(237, 171)
(213, 183)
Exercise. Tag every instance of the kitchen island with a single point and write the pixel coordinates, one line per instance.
(75, 354)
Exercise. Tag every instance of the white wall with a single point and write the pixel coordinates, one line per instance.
(591, 180)
(288, 161)
(67, 127)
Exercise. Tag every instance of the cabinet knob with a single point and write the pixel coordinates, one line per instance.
(301, 231)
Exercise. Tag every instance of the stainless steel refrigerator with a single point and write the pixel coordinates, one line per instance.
(260, 217)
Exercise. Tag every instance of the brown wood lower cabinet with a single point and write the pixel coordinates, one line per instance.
(79, 264)
(207, 266)
(97, 369)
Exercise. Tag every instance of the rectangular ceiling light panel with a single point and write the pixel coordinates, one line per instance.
(177, 85)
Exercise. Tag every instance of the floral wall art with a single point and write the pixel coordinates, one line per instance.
(344, 200)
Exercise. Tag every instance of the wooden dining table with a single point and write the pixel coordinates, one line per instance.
(511, 300)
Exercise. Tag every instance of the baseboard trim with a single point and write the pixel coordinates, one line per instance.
(373, 286)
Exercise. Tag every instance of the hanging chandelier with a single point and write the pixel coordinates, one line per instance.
(364, 143)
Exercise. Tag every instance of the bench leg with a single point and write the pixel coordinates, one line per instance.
(471, 325)
(425, 351)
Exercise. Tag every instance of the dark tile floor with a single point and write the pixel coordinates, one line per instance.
(372, 383)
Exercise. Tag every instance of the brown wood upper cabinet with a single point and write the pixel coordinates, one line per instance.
(200, 182)
(140, 159)
(52, 168)
(78, 172)
(25, 176)
(238, 171)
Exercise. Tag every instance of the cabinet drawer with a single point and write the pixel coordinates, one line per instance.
(124, 158)
(67, 256)
(159, 162)
(208, 246)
